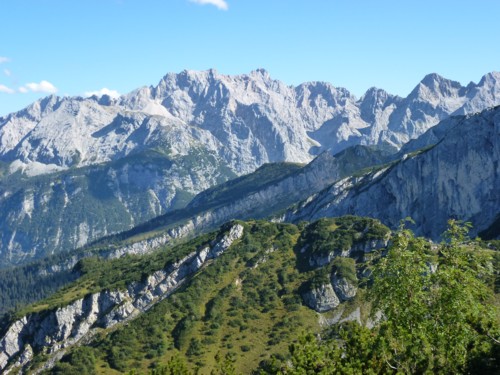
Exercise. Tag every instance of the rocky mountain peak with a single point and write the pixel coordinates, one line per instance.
(47, 104)
(434, 86)
(489, 86)
(432, 78)
(373, 103)
(374, 93)
(483, 95)
(260, 72)
(491, 79)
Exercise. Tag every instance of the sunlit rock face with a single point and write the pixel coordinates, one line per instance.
(456, 175)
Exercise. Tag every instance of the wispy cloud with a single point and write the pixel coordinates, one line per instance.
(101, 92)
(221, 4)
(6, 90)
(43, 86)
(7, 72)
(4, 59)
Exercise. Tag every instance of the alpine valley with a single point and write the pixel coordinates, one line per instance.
(215, 224)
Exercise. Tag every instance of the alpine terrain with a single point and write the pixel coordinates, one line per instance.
(91, 167)
(219, 224)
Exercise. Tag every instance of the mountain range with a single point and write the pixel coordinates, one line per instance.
(205, 223)
(96, 166)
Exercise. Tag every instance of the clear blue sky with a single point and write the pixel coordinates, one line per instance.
(78, 46)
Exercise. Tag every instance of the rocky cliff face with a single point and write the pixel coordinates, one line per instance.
(456, 178)
(344, 288)
(51, 331)
(330, 295)
(321, 298)
(314, 177)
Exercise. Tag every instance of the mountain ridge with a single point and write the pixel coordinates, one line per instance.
(454, 175)
(212, 101)
(202, 128)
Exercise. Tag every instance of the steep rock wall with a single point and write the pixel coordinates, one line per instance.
(456, 178)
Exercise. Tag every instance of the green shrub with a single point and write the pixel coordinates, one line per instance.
(345, 268)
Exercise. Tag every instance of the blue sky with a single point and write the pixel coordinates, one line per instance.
(72, 47)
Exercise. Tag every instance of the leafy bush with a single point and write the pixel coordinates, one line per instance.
(339, 234)
(80, 361)
(345, 268)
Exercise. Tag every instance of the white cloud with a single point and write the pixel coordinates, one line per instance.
(101, 92)
(6, 89)
(7, 72)
(221, 4)
(43, 86)
(4, 59)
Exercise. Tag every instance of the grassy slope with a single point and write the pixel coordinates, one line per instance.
(231, 309)
(245, 305)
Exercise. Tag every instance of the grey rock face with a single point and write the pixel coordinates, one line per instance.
(322, 298)
(65, 326)
(344, 289)
(10, 343)
(457, 178)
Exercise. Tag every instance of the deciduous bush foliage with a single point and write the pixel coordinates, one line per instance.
(436, 303)
(437, 314)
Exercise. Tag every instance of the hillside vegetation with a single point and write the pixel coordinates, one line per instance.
(246, 312)
(269, 189)
(39, 279)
